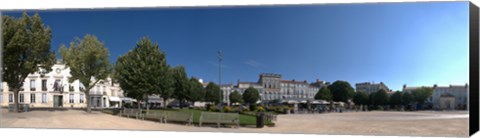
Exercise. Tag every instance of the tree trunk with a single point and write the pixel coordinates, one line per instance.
(87, 99)
(181, 103)
(138, 105)
(164, 103)
(15, 100)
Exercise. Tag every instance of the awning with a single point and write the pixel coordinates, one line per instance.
(114, 99)
(126, 99)
(154, 99)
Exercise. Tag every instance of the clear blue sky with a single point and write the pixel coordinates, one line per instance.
(396, 43)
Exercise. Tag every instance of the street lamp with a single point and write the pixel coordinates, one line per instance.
(220, 77)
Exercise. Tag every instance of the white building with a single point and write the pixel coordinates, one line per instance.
(39, 90)
(271, 87)
(458, 92)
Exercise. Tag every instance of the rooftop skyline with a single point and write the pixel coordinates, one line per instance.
(418, 44)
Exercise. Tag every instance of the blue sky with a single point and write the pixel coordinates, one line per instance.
(395, 43)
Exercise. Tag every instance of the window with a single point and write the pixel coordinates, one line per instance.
(10, 98)
(57, 86)
(1, 86)
(81, 98)
(32, 85)
(44, 98)
(71, 88)
(71, 98)
(1, 98)
(22, 98)
(81, 87)
(44, 85)
(32, 98)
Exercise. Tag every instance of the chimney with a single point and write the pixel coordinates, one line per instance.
(435, 86)
(404, 86)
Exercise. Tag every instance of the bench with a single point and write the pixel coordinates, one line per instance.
(220, 118)
(132, 112)
(21, 107)
(160, 115)
(270, 117)
(177, 116)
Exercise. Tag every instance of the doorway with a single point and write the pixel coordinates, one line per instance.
(57, 101)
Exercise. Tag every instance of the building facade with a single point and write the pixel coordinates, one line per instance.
(52, 89)
(272, 87)
(459, 94)
(445, 97)
(370, 88)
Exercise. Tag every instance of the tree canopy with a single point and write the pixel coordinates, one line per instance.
(380, 97)
(88, 60)
(235, 97)
(144, 71)
(341, 91)
(360, 98)
(197, 92)
(251, 95)
(324, 94)
(396, 98)
(213, 93)
(407, 98)
(182, 84)
(420, 95)
(26, 49)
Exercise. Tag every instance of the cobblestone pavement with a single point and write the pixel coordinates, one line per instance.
(447, 124)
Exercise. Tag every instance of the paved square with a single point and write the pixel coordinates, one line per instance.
(453, 124)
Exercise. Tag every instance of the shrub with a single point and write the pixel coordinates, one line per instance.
(380, 108)
(245, 110)
(210, 107)
(260, 109)
(227, 109)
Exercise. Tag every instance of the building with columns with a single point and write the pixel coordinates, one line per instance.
(52, 89)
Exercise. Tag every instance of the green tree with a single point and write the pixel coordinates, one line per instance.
(213, 93)
(407, 98)
(396, 98)
(361, 98)
(251, 95)
(420, 95)
(341, 90)
(182, 84)
(26, 49)
(235, 97)
(196, 92)
(144, 71)
(324, 94)
(380, 97)
(87, 58)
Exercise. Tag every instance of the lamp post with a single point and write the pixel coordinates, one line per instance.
(220, 78)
